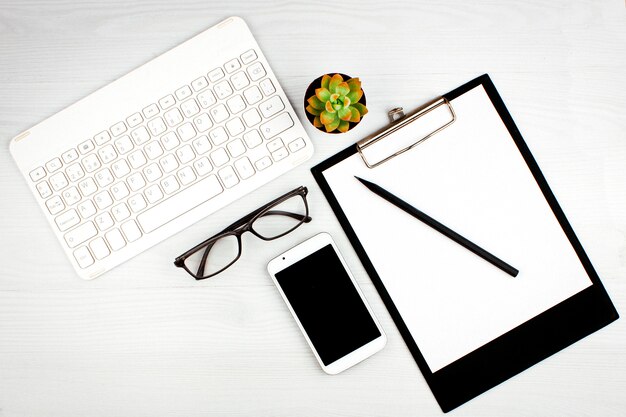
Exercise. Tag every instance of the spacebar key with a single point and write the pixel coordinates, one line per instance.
(168, 210)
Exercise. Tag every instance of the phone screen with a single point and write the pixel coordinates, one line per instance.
(327, 304)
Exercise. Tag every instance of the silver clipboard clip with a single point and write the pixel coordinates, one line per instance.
(399, 120)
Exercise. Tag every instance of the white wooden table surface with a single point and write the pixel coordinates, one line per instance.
(146, 340)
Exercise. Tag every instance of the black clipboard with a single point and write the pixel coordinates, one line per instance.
(520, 348)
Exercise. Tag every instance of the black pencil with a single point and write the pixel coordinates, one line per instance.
(439, 227)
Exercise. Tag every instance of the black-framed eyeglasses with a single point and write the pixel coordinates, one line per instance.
(273, 220)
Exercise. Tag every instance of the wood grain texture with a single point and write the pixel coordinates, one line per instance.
(145, 340)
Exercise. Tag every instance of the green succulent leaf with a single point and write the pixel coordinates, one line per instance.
(313, 110)
(332, 126)
(343, 126)
(316, 103)
(355, 116)
(346, 102)
(327, 118)
(342, 89)
(361, 108)
(355, 96)
(335, 80)
(317, 122)
(325, 81)
(329, 107)
(344, 113)
(322, 94)
(334, 97)
(354, 84)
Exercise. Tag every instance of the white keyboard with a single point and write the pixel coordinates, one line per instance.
(161, 148)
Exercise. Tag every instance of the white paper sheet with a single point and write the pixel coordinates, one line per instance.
(472, 178)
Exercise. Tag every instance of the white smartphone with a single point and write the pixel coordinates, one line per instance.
(327, 304)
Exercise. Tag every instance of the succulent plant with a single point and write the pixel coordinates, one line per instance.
(336, 103)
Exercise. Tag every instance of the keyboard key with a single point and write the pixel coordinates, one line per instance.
(99, 248)
(87, 187)
(150, 111)
(186, 131)
(102, 138)
(37, 174)
(252, 139)
(222, 89)
(218, 136)
(186, 176)
(124, 145)
(75, 172)
(119, 191)
(120, 212)
(173, 117)
(183, 93)
(135, 181)
(107, 154)
(267, 87)
(83, 257)
(202, 145)
(203, 166)
(215, 74)
(115, 239)
(134, 120)
(190, 108)
(235, 126)
(70, 155)
(236, 104)
(251, 117)
(137, 159)
(170, 184)
(141, 135)
(55, 205)
(91, 163)
(81, 234)
(244, 168)
(103, 200)
(86, 147)
(263, 163)
(168, 163)
(153, 193)
(120, 168)
(185, 200)
(185, 154)
(219, 113)
(206, 99)
(118, 128)
(276, 126)
(170, 141)
(104, 221)
(104, 177)
(274, 145)
(219, 157)
(137, 203)
(153, 150)
(54, 165)
(44, 189)
(240, 80)
(253, 95)
(256, 71)
(248, 56)
(202, 122)
(236, 148)
(167, 102)
(58, 181)
(71, 196)
(152, 172)
(67, 220)
(271, 106)
(228, 176)
(86, 209)
(157, 126)
(280, 154)
(232, 65)
(199, 83)
(131, 231)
